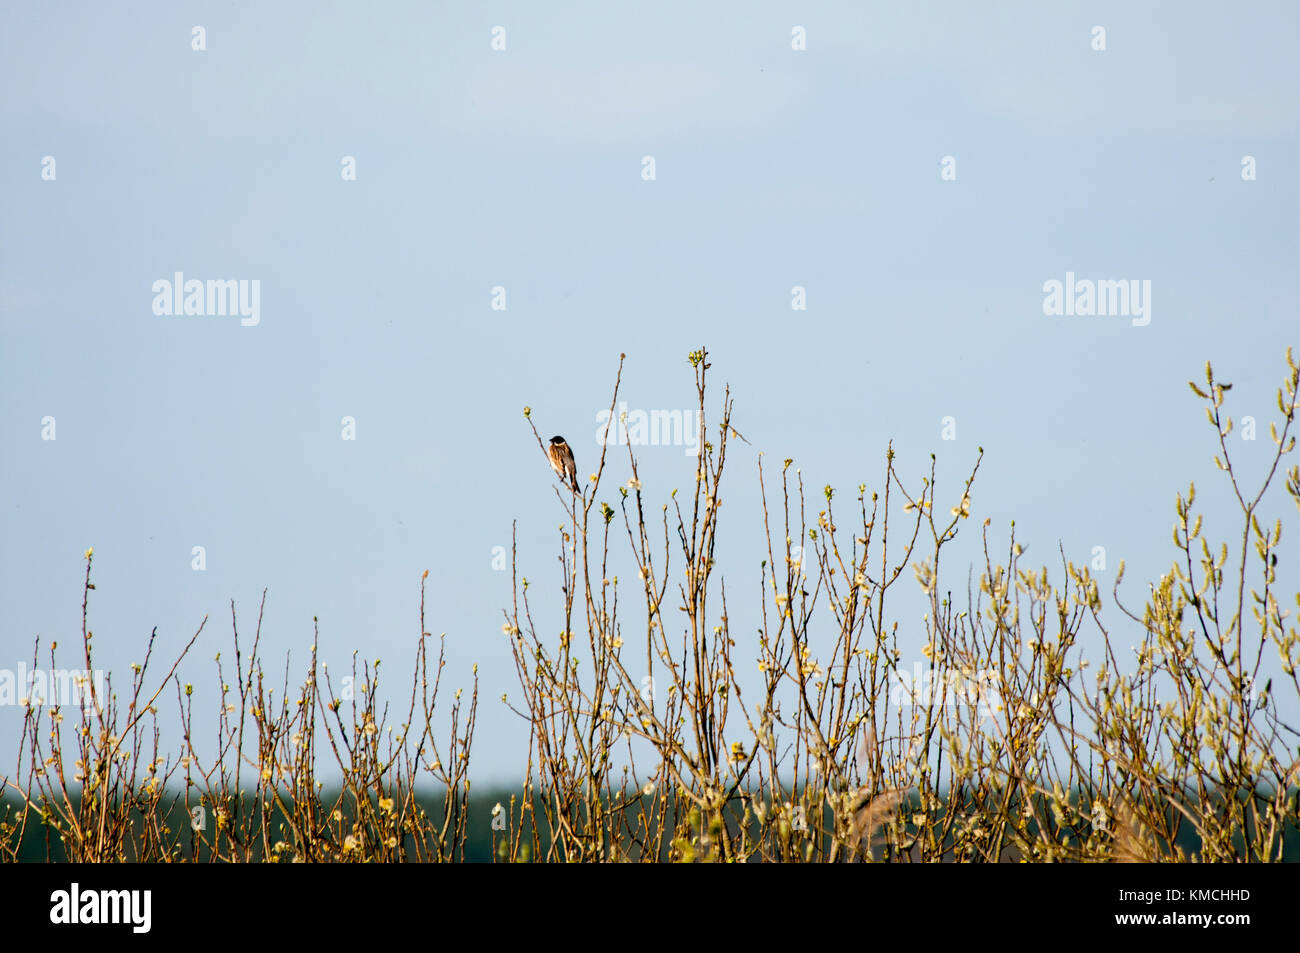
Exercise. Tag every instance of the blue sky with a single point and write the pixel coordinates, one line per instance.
(522, 168)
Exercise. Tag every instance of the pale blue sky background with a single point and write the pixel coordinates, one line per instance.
(522, 168)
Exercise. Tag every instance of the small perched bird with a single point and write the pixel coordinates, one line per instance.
(562, 462)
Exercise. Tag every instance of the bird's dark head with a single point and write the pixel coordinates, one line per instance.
(557, 440)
